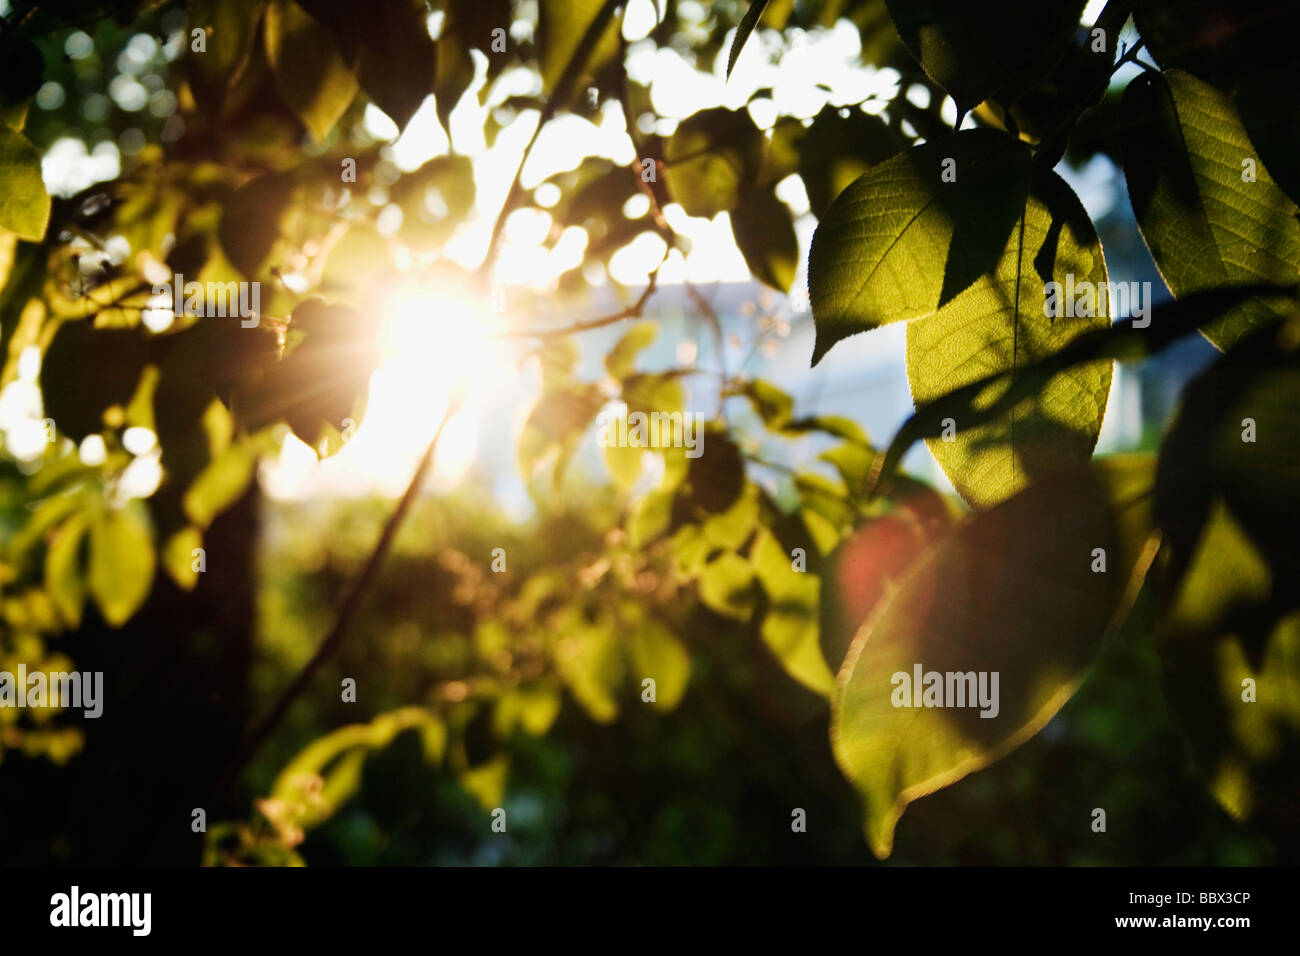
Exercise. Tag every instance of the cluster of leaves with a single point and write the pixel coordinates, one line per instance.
(841, 567)
(967, 260)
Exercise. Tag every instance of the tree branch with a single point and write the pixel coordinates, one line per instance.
(563, 89)
(347, 611)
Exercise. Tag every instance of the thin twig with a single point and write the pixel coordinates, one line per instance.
(581, 54)
(347, 611)
(633, 311)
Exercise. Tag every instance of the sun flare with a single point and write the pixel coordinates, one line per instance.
(435, 342)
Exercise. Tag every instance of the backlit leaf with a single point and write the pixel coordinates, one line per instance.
(1010, 593)
(24, 203)
(998, 323)
(121, 561)
(1184, 151)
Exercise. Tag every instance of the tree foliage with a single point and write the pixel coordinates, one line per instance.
(955, 221)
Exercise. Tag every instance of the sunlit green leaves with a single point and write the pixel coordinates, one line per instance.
(65, 560)
(220, 484)
(998, 323)
(121, 561)
(24, 203)
(327, 772)
(711, 158)
(1234, 441)
(1185, 157)
(1229, 646)
(977, 49)
(179, 558)
(620, 361)
(901, 241)
(554, 427)
(1012, 592)
(658, 655)
(591, 662)
(963, 237)
(727, 586)
(790, 626)
(310, 73)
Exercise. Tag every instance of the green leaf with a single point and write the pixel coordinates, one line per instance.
(435, 199)
(553, 429)
(314, 79)
(865, 568)
(178, 557)
(398, 60)
(533, 707)
(1012, 592)
(901, 242)
(838, 149)
(561, 28)
(650, 517)
(855, 463)
(121, 561)
(65, 561)
(765, 236)
(836, 425)
(999, 324)
(790, 623)
(85, 371)
(1229, 646)
(250, 221)
(747, 24)
(230, 26)
(657, 654)
(321, 381)
(590, 661)
(773, 404)
(327, 772)
(624, 463)
(730, 529)
(1124, 341)
(784, 151)
(713, 480)
(621, 360)
(727, 586)
(1234, 440)
(220, 484)
(1183, 155)
(713, 155)
(977, 49)
(24, 203)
